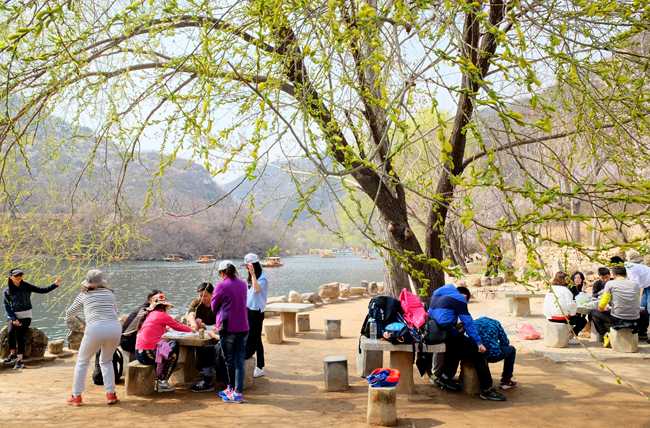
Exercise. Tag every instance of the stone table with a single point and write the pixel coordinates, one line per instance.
(518, 303)
(288, 313)
(188, 342)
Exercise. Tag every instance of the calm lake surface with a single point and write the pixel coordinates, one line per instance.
(131, 282)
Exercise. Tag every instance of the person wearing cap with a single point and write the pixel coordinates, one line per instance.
(102, 333)
(150, 345)
(199, 314)
(18, 306)
(258, 290)
(229, 303)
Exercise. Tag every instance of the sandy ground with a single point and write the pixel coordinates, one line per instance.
(570, 394)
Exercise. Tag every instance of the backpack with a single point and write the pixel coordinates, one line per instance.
(432, 333)
(398, 333)
(118, 367)
(414, 312)
(383, 310)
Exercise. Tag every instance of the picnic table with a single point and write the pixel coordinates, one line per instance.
(288, 313)
(518, 302)
(401, 358)
(188, 343)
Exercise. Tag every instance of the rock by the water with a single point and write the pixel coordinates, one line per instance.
(381, 287)
(344, 290)
(365, 284)
(313, 298)
(295, 297)
(476, 282)
(357, 291)
(55, 346)
(373, 288)
(35, 343)
(329, 291)
(277, 299)
(74, 340)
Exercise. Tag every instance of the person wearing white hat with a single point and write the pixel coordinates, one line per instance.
(229, 305)
(102, 332)
(258, 289)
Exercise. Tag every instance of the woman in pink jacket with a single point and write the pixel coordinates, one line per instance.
(149, 346)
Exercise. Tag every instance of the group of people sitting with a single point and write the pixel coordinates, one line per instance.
(621, 292)
(234, 307)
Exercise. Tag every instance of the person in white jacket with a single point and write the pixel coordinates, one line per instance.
(559, 305)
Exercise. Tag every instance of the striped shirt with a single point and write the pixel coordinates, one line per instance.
(97, 305)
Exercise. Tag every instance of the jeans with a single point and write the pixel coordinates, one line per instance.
(508, 357)
(17, 335)
(100, 335)
(167, 365)
(643, 323)
(460, 347)
(578, 322)
(645, 297)
(254, 345)
(233, 346)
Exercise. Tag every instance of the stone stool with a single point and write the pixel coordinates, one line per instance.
(519, 306)
(382, 406)
(556, 335)
(332, 329)
(140, 379)
(367, 361)
(249, 369)
(469, 378)
(335, 371)
(624, 340)
(303, 322)
(273, 333)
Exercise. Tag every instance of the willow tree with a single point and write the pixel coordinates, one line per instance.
(339, 83)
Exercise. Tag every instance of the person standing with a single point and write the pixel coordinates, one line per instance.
(103, 332)
(229, 303)
(18, 306)
(258, 290)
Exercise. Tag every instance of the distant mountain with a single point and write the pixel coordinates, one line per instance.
(276, 196)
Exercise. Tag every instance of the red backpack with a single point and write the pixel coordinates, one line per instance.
(414, 312)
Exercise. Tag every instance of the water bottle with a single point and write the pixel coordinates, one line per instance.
(373, 329)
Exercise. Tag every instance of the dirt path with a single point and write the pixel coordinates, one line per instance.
(550, 395)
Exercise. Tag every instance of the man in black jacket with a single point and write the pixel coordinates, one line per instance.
(18, 305)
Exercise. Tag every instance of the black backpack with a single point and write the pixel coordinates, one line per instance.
(432, 333)
(383, 310)
(118, 368)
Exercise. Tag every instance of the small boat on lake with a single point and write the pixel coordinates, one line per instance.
(174, 258)
(272, 262)
(327, 254)
(206, 258)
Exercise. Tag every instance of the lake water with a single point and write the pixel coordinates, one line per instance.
(131, 282)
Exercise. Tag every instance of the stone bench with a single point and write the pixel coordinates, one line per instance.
(273, 333)
(140, 379)
(401, 358)
(332, 329)
(335, 373)
(382, 406)
(624, 340)
(518, 304)
(557, 335)
(303, 322)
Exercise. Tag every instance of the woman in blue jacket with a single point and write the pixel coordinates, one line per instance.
(18, 305)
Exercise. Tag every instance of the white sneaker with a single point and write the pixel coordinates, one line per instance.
(258, 372)
(164, 386)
